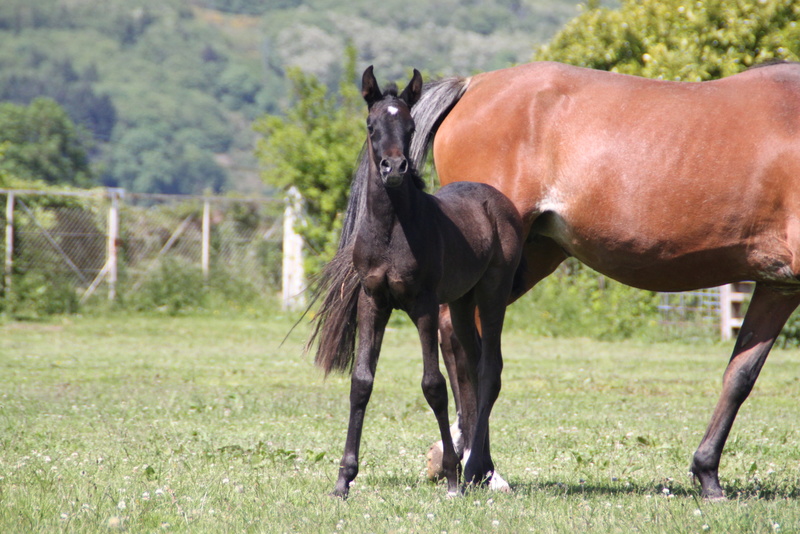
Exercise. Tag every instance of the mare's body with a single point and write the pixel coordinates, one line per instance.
(661, 185)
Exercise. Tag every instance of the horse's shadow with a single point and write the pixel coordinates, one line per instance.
(734, 491)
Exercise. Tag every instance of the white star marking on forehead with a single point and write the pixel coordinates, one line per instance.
(392, 110)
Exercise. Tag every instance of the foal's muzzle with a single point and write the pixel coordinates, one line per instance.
(393, 169)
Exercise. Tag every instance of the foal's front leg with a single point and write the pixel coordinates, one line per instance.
(434, 386)
(372, 321)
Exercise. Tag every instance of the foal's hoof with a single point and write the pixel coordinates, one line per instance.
(493, 482)
(434, 456)
(497, 483)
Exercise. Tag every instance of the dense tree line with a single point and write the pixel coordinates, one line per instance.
(161, 93)
(40, 145)
(168, 89)
(677, 40)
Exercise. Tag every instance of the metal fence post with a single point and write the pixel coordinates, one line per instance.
(9, 260)
(293, 275)
(206, 248)
(111, 248)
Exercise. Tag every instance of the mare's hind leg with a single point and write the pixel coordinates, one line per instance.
(371, 326)
(426, 316)
(768, 311)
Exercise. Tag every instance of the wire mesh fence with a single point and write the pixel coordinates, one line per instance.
(699, 310)
(61, 249)
(73, 246)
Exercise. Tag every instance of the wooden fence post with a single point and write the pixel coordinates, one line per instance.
(293, 275)
(731, 308)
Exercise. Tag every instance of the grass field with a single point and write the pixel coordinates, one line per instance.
(208, 424)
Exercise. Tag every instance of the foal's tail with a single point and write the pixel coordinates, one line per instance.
(338, 285)
(335, 321)
(437, 99)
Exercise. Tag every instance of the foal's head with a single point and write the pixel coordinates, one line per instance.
(390, 126)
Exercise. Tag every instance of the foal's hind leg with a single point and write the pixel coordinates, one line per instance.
(455, 362)
(768, 311)
(426, 316)
(478, 465)
(371, 326)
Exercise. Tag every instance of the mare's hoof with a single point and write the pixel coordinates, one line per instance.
(710, 488)
(434, 456)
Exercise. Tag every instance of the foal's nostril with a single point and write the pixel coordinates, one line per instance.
(386, 167)
(394, 166)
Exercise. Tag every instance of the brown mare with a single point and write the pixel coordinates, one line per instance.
(665, 186)
(405, 249)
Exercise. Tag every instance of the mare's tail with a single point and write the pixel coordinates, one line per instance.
(437, 99)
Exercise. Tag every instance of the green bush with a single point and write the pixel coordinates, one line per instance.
(790, 335)
(575, 301)
(40, 294)
(175, 285)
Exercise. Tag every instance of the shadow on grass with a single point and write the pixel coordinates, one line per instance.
(734, 491)
(609, 489)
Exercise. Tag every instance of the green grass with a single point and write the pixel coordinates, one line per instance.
(208, 424)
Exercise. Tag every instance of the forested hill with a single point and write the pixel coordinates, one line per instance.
(168, 88)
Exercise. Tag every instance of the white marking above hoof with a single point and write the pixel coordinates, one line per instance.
(497, 483)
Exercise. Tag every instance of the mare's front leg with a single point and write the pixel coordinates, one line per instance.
(372, 321)
(426, 316)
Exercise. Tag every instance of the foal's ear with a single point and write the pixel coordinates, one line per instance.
(369, 87)
(413, 90)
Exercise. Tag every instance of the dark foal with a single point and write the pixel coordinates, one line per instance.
(413, 251)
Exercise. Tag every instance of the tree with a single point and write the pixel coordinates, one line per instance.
(679, 40)
(315, 148)
(41, 144)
